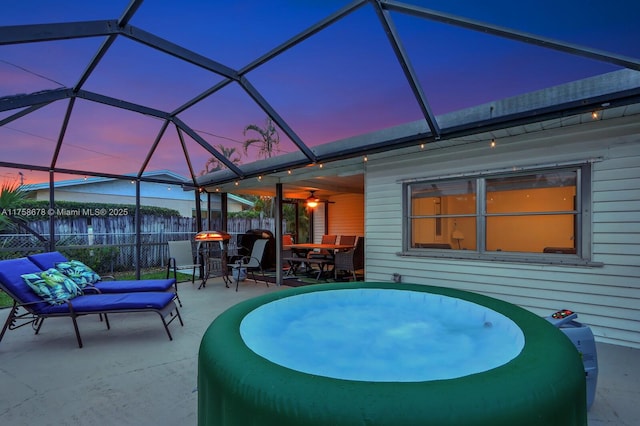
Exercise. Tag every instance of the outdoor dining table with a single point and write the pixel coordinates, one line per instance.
(300, 251)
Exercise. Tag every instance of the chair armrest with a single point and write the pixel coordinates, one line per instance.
(344, 255)
(92, 289)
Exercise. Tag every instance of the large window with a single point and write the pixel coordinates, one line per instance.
(541, 212)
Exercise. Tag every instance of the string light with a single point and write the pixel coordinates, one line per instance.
(492, 144)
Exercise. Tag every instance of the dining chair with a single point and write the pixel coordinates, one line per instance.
(326, 239)
(347, 240)
(351, 260)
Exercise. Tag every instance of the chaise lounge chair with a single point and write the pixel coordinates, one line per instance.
(53, 258)
(38, 309)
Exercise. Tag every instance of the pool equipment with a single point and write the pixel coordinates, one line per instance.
(582, 338)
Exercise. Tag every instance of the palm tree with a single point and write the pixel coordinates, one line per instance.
(11, 197)
(268, 139)
(214, 164)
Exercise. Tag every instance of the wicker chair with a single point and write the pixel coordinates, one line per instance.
(350, 260)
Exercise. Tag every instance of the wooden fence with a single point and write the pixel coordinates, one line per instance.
(113, 239)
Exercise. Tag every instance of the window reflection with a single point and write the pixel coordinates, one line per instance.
(529, 212)
(444, 215)
(516, 207)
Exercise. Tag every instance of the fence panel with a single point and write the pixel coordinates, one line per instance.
(109, 243)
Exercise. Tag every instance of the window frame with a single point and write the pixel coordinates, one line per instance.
(582, 211)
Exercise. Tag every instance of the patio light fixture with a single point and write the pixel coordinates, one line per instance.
(312, 200)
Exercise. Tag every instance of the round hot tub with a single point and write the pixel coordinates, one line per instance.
(383, 354)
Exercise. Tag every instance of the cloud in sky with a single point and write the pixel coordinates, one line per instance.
(341, 82)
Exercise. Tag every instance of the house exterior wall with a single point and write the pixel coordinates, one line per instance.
(607, 297)
(123, 192)
(346, 215)
(184, 207)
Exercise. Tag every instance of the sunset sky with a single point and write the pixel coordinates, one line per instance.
(339, 83)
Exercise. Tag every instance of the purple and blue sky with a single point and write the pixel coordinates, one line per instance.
(341, 82)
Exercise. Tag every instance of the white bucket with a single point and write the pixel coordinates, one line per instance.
(239, 274)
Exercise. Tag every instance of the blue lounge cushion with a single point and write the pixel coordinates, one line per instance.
(11, 271)
(52, 285)
(127, 286)
(47, 259)
(50, 259)
(114, 302)
(78, 272)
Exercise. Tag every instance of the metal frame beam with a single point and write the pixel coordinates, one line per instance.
(407, 68)
(22, 113)
(16, 34)
(45, 97)
(23, 166)
(179, 52)
(271, 112)
(224, 160)
(124, 19)
(504, 32)
(119, 103)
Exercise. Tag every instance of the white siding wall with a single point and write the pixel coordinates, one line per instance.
(606, 298)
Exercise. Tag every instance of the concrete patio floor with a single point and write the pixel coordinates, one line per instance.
(133, 375)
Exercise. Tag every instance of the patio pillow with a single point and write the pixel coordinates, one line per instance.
(52, 285)
(78, 272)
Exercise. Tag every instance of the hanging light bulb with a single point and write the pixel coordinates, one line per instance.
(312, 200)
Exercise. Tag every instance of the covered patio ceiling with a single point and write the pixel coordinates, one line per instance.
(135, 86)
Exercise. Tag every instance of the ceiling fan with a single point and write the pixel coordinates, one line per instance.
(312, 200)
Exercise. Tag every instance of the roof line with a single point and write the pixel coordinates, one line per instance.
(624, 93)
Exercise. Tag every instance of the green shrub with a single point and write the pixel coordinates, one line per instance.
(100, 259)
